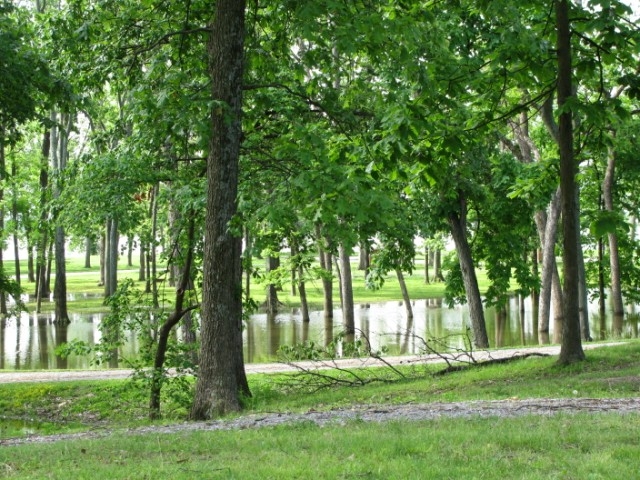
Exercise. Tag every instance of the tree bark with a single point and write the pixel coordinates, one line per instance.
(222, 376)
(571, 346)
(457, 224)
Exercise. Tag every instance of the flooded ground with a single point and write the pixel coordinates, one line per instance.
(29, 343)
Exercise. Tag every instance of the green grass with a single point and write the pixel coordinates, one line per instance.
(563, 447)
(83, 286)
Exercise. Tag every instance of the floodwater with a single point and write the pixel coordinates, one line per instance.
(29, 342)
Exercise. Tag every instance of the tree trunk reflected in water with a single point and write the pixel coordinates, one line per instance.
(30, 341)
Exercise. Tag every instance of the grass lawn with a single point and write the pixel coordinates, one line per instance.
(87, 295)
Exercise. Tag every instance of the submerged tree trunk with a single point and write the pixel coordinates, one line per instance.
(222, 377)
(326, 264)
(571, 346)
(272, 263)
(302, 290)
(457, 224)
(348, 308)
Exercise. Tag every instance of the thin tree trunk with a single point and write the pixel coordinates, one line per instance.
(405, 293)
(547, 225)
(130, 251)
(571, 346)
(272, 263)
(14, 215)
(154, 257)
(427, 253)
(3, 295)
(297, 264)
(103, 258)
(111, 260)
(43, 240)
(142, 271)
(614, 256)
(437, 266)
(348, 308)
(457, 225)
(59, 164)
(178, 313)
(222, 376)
(326, 264)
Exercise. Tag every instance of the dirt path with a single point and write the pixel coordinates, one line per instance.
(103, 374)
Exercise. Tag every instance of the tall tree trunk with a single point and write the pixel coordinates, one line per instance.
(614, 256)
(14, 214)
(348, 308)
(3, 296)
(222, 377)
(571, 346)
(43, 227)
(457, 224)
(59, 161)
(547, 225)
(326, 264)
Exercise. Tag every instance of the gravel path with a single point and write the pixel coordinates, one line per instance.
(370, 413)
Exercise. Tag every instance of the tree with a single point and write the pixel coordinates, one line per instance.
(222, 377)
(571, 346)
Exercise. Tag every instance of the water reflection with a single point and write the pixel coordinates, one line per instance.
(29, 342)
